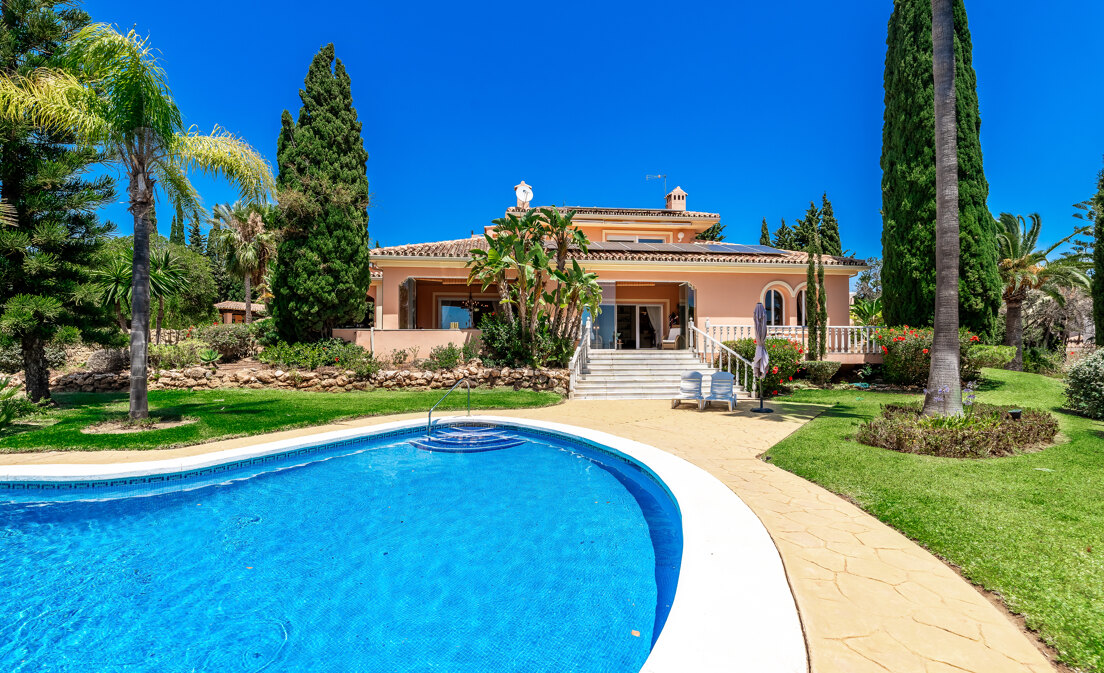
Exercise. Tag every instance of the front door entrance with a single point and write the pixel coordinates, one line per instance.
(639, 326)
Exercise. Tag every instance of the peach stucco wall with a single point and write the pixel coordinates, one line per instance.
(384, 341)
(723, 296)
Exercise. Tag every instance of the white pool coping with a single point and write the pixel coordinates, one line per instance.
(733, 609)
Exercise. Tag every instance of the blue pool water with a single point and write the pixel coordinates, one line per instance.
(544, 554)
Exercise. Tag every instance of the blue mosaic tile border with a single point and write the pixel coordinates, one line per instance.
(167, 479)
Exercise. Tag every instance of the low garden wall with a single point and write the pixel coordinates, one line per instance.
(331, 380)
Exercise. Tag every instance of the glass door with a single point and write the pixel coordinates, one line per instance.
(626, 326)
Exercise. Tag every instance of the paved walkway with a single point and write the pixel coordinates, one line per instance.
(869, 598)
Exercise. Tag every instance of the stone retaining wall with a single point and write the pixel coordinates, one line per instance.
(193, 378)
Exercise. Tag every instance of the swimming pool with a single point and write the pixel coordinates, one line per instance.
(541, 552)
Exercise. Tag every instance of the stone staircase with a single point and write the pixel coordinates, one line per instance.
(638, 375)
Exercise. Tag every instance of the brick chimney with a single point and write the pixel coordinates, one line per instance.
(676, 200)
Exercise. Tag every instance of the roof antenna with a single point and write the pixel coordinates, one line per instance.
(657, 177)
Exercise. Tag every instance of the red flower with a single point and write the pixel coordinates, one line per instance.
(974, 338)
(775, 370)
(884, 349)
(337, 359)
(800, 351)
(791, 378)
(925, 351)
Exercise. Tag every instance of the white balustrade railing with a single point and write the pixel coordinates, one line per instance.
(578, 363)
(719, 356)
(841, 339)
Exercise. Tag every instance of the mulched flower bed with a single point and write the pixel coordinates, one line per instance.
(984, 431)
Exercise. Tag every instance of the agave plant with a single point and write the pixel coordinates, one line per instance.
(209, 357)
(113, 96)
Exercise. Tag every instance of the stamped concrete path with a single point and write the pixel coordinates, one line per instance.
(869, 598)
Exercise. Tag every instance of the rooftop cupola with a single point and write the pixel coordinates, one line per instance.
(676, 199)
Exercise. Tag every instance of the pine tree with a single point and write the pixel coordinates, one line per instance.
(784, 237)
(1098, 262)
(764, 234)
(908, 178)
(806, 231)
(46, 259)
(196, 240)
(829, 228)
(713, 233)
(176, 233)
(323, 277)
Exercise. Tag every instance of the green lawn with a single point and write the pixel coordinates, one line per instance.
(1030, 527)
(232, 413)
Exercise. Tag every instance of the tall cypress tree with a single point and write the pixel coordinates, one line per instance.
(46, 259)
(908, 178)
(176, 233)
(811, 313)
(764, 234)
(822, 306)
(1098, 262)
(806, 231)
(829, 228)
(323, 276)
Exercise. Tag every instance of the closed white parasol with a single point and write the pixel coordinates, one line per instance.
(762, 359)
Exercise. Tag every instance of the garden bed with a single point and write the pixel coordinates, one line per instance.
(984, 431)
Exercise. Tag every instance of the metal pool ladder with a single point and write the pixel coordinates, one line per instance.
(429, 420)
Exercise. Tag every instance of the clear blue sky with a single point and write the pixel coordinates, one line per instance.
(754, 108)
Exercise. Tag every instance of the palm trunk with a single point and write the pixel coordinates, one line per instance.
(160, 317)
(141, 200)
(944, 393)
(35, 368)
(248, 300)
(119, 317)
(1013, 332)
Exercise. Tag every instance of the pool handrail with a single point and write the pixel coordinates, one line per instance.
(429, 419)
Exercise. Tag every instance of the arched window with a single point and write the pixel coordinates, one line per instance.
(801, 308)
(772, 301)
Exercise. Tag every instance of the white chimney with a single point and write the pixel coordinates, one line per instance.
(676, 200)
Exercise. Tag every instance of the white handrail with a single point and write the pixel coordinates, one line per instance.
(839, 339)
(429, 418)
(716, 354)
(578, 364)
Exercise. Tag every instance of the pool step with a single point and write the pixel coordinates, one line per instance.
(466, 439)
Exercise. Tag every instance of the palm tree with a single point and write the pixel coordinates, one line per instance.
(246, 245)
(115, 282)
(943, 395)
(7, 214)
(1024, 267)
(867, 311)
(119, 102)
(166, 280)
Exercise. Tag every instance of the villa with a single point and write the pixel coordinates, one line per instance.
(655, 275)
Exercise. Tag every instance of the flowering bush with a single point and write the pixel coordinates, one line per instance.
(785, 360)
(1085, 385)
(907, 354)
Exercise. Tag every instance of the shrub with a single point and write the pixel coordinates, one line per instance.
(233, 341)
(821, 371)
(264, 332)
(907, 354)
(325, 353)
(997, 357)
(12, 404)
(504, 344)
(984, 431)
(448, 356)
(785, 360)
(11, 357)
(1039, 360)
(1085, 385)
(176, 356)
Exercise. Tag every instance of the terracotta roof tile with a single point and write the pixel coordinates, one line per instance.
(239, 306)
(460, 249)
